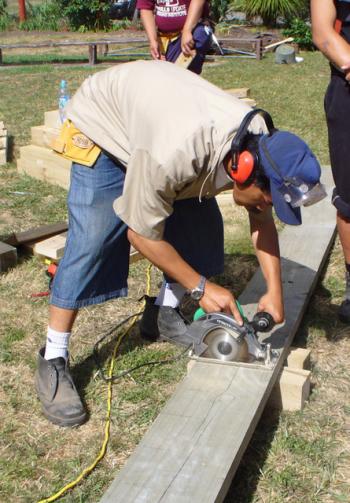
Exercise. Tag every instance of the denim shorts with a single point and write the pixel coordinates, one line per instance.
(95, 264)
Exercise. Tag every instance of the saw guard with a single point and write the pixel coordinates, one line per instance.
(217, 336)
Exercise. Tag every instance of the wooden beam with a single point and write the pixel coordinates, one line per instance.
(35, 234)
(291, 390)
(52, 247)
(3, 157)
(185, 61)
(42, 136)
(8, 256)
(44, 164)
(52, 119)
(194, 447)
(239, 92)
(299, 358)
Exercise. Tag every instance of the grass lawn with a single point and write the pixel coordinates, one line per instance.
(293, 457)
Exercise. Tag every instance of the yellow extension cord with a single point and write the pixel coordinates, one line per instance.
(102, 452)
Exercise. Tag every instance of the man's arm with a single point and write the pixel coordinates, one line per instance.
(193, 16)
(265, 241)
(164, 256)
(329, 42)
(147, 18)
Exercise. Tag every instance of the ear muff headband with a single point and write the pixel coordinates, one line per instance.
(244, 162)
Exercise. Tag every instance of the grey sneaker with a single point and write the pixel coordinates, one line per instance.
(163, 323)
(59, 398)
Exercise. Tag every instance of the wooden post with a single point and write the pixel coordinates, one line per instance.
(258, 48)
(22, 10)
(0, 56)
(92, 54)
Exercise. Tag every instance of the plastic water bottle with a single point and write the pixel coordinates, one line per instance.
(63, 98)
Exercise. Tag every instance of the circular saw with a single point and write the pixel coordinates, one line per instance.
(218, 336)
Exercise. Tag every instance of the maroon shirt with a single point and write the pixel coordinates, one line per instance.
(170, 15)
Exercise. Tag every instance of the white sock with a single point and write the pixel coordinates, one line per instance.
(170, 294)
(56, 344)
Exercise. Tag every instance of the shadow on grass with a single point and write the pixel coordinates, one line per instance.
(244, 484)
(322, 316)
(85, 370)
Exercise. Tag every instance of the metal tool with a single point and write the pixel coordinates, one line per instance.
(218, 336)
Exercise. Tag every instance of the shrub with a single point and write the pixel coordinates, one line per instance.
(270, 10)
(45, 16)
(5, 18)
(301, 31)
(86, 15)
(218, 9)
(3, 6)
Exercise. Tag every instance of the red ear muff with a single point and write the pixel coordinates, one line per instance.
(244, 168)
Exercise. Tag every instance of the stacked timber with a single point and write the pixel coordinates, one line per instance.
(243, 93)
(39, 160)
(3, 144)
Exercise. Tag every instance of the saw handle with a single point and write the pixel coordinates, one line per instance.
(263, 322)
(200, 312)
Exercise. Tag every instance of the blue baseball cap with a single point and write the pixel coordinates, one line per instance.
(285, 157)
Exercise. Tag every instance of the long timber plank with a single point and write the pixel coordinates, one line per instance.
(192, 450)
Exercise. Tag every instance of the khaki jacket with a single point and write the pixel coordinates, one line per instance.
(169, 127)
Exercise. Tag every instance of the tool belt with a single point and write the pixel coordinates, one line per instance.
(72, 144)
(164, 39)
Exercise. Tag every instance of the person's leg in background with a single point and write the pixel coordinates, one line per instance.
(94, 269)
(202, 38)
(343, 225)
(337, 107)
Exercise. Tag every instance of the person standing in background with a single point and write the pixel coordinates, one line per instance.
(177, 26)
(331, 34)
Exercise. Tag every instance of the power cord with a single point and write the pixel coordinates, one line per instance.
(109, 379)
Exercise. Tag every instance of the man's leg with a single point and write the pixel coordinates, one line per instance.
(94, 268)
(195, 229)
(62, 320)
(202, 39)
(59, 330)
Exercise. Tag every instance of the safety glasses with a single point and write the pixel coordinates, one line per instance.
(298, 193)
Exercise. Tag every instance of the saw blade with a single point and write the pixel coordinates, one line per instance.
(225, 345)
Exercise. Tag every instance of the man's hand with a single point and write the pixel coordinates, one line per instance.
(164, 256)
(273, 305)
(216, 298)
(187, 43)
